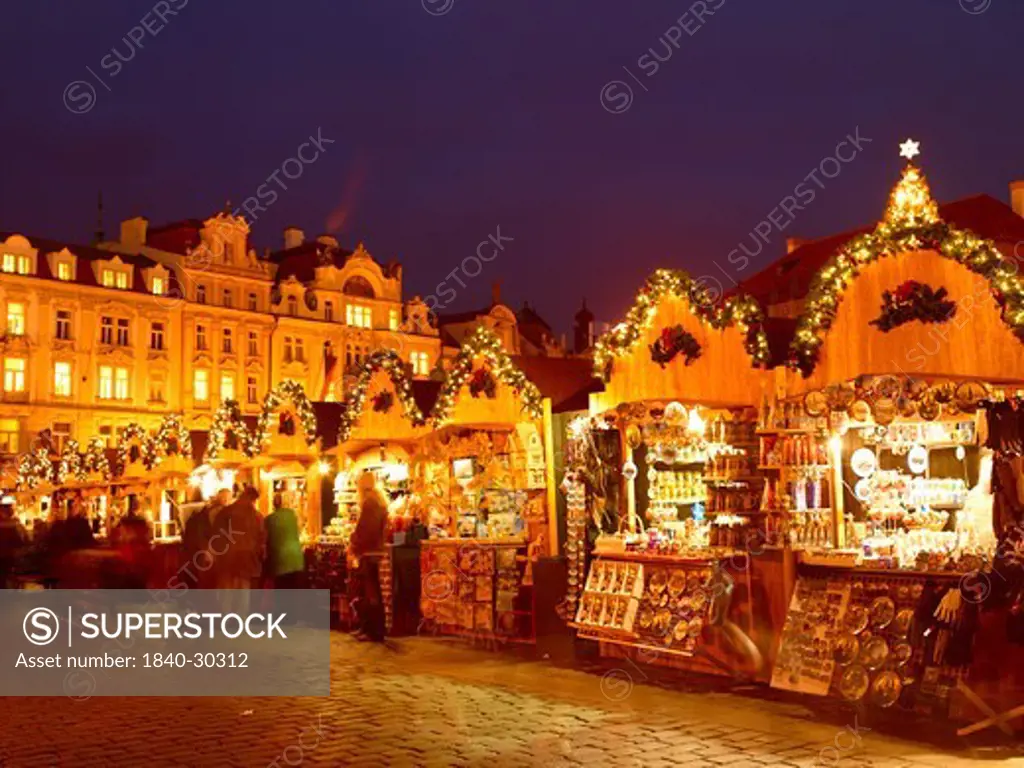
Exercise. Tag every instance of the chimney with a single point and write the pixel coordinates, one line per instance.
(1017, 197)
(792, 243)
(328, 240)
(496, 292)
(133, 231)
(293, 237)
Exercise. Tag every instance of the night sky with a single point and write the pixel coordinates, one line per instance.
(488, 114)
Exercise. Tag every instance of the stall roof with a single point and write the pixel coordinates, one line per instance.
(328, 422)
(567, 381)
(424, 392)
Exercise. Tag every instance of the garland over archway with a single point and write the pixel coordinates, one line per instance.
(482, 342)
(293, 391)
(72, 465)
(132, 432)
(34, 469)
(172, 432)
(95, 459)
(355, 401)
(911, 223)
(228, 419)
(742, 311)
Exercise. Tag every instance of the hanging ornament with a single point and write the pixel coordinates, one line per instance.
(917, 459)
(629, 471)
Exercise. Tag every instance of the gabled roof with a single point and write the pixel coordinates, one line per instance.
(790, 277)
(175, 237)
(301, 261)
(425, 392)
(568, 381)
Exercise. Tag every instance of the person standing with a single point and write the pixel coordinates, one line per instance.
(284, 552)
(242, 563)
(366, 548)
(196, 539)
(12, 539)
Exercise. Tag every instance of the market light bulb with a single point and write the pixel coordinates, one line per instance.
(324, 467)
(695, 423)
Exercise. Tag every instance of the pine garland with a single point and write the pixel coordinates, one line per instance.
(228, 419)
(34, 469)
(292, 391)
(132, 432)
(95, 460)
(172, 432)
(355, 401)
(72, 464)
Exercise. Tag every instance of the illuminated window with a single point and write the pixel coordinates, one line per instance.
(9, 435)
(200, 294)
(121, 383)
(14, 374)
(108, 278)
(226, 346)
(63, 271)
(121, 280)
(200, 337)
(158, 286)
(24, 265)
(16, 318)
(106, 330)
(254, 303)
(300, 352)
(201, 386)
(156, 336)
(329, 311)
(359, 316)
(10, 262)
(156, 390)
(251, 389)
(62, 330)
(62, 379)
(394, 319)
(227, 386)
(420, 363)
(105, 390)
(122, 332)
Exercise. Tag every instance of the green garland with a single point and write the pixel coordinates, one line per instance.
(96, 458)
(905, 228)
(741, 310)
(134, 431)
(34, 469)
(293, 391)
(355, 401)
(171, 428)
(71, 465)
(228, 418)
(483, 342)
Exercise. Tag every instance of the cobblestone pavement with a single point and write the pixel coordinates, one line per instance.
(437, 703)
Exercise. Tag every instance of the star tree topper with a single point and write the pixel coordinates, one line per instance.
(910, 149)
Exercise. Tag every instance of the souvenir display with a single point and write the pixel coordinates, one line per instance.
(814, 632)
(611, 597)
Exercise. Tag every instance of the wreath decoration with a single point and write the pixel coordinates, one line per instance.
(229, 431)
(383, 401)
(133, 432)
(673, 341)
(72, 465)
(355, 402)
(483, 383)
(172, 438)
(913, 301)
(292, 391)
(95, 460)
(34, 469)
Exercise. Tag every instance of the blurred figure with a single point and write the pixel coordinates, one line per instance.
(366, 548)
(132, 539)
(241, 565)
(284, 552)
(199, 529)
(12, 539)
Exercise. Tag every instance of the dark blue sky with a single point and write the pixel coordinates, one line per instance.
(447, 127)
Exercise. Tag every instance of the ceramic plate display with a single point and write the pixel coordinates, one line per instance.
(645, 618)
(863, 462)
(906, 406)
(917, 459)
(677, 584)
(901, 624)
(815, 404)
(886, 690)
(884, 410)
(856, 618)
(675, 413)
(929, 409)
(846, 649)
(874, 653)
(883, 610)
(696, 625)
(860, 411)
(695, 582)
(633, 438)
(902, 653)
(699, 601)
(657, 583)
(854, 683)
(862, 489)
(680, 630)
(968, 395)
(943, 392)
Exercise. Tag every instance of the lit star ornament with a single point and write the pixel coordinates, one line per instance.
(910, 149)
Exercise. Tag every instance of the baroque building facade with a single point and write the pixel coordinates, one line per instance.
(181, 317)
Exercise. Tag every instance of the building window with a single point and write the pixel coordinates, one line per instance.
(227, 387)
(158, 286)
(300, 352)
(293, 306)
(63, 326)
(420, 363)
(121, 383)
(394, 319)
(105, 391)
(329, 311)
(10, 262)
(8, 435)
(200, 294)
(14, 374)
(200, 337)
(62, 379)
(226, 344)
(254, 304)
(108, 278)
(254, 344)
(19, 263)
(156, 336)
(288, 349)
(63, 270)
(252, 392)
(113, 278)
(156, 390)
(201, 386)
(15, 318)
(106, 330)
(121, 280)
(229, 300)
(122, 332)
(359, 316)
(60, 434)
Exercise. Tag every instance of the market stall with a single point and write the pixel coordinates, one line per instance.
(664, 472)
(483, 483)
(897, 604)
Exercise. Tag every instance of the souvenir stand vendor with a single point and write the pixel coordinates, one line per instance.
(483, 483)
(381, 422)
(674, 574)
(908, 334)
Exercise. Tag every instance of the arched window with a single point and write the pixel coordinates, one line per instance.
(358, 286)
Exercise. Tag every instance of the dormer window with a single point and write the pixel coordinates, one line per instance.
(115, 278)
(158, 286)
(64, 271)
(17, 263)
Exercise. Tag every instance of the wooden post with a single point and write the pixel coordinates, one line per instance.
(549, 469)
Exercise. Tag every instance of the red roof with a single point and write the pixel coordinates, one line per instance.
(176, 237)
(568, 381)
(790, 277)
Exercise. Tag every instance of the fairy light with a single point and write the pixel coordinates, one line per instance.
(389, 361)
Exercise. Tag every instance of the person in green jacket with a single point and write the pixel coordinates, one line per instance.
(287, 564)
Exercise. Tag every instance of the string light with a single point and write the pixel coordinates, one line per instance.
(34, 469)
(228, 419)
(171, 433)
(389, 361)
(293, 391)
(72, 465)
(132, 432)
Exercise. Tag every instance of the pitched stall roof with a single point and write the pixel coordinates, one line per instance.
(568, 381)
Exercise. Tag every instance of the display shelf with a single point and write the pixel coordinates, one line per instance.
(781, 467)
(675, 502)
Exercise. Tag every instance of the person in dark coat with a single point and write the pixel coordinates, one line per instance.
(366, 548)
(240, 567)
(196, 537)
(12, 539)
